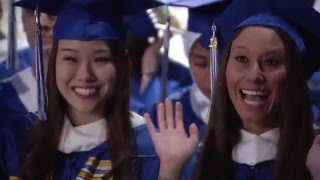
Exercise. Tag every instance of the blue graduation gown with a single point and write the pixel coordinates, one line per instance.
(10, 100)
(25, 60)
(178, 78)
(314, 87)
(18, 93)
(260, 171)
(189, 115)
(14, 130)
(96, 162)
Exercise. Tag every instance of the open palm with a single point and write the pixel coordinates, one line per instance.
(172, 144)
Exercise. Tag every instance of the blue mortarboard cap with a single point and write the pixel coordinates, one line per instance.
(49, 7)
(90, 19)
(300, 21)
(140, 24)
(201, 15)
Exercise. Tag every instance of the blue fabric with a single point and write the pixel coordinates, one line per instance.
(25, 57)
(14, 130)
(100, 19)
(178, 78)
(270, 20)
(314, 89)
(189, 116)
(10, 101)
(260, 171)
(69, 165)
(200, 20)
(140, 24)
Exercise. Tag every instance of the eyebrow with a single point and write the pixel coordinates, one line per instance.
(102, 51)
(96, 51)
(69, 49)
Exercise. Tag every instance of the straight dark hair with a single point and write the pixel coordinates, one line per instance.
(39, 163)
(294, 116)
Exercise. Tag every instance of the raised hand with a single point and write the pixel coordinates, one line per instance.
(313, 159)
(171, 142)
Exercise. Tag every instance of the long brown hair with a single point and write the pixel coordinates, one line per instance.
(40, 161)
(294, 115)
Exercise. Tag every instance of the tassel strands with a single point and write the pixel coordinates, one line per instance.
(12, 56)
(213, 58)
(41, 90)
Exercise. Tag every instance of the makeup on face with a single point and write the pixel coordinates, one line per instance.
(255, 73)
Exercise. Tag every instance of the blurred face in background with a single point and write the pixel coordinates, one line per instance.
(47, 23)
(199, 60)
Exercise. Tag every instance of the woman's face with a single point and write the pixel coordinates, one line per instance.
(85, 74)
(255, 74)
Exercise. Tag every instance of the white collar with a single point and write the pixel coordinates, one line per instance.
(25, 85)
(82, 138)
(86, 137)
(253, 149)
(200, 103)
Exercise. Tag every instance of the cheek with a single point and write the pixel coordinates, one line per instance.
(107, 74)
(277, 81)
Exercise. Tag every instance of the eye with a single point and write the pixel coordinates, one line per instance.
(272, 62)
(242, 59)
(70, 59)
(103, 59)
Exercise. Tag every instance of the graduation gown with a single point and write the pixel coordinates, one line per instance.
(178, 78)
(84, 153)
(254, 156)
(14, 130)
(196, 107)
(25, 57)
(18, 93)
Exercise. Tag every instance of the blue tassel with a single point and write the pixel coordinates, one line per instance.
(12, 56)
(213, 58)
(41, 90)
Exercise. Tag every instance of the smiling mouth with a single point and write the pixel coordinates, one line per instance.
(254, 97)
(86, 92)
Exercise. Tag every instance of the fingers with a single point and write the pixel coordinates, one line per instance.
(161, 119)
(194, 133)
(169, 114)
(179, 116)
(150, 125)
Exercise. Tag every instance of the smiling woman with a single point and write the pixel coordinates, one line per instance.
(90, 132)
(85, 74)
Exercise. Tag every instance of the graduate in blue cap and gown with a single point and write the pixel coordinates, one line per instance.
(260, 124)
(146, 63)
(196, 98)
(90, 132)
(18, 92)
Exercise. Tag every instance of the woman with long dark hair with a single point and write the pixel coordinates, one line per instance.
(89, 131)
(261, 120)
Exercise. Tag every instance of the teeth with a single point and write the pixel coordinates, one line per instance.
(254, 93)
(85, 92)
(253, 103)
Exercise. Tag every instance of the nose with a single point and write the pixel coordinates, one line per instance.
(85, 73)
(255, 74)
(47, 23)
